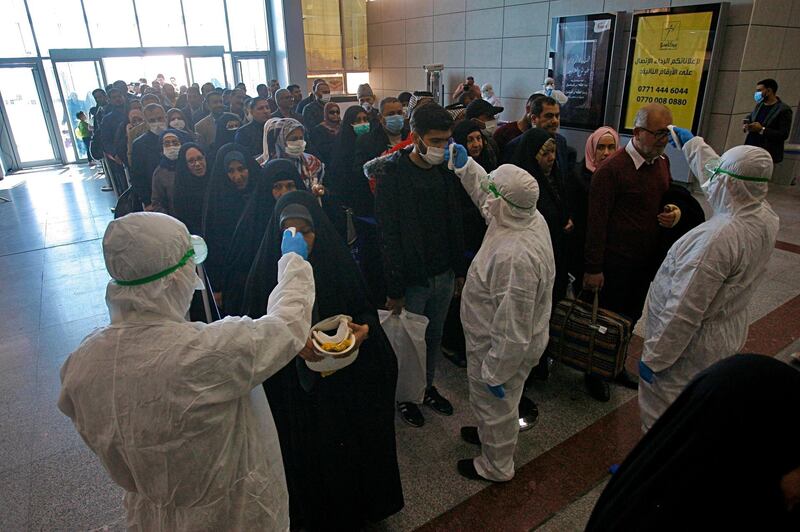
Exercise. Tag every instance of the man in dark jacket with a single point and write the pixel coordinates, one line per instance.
(251, 135)
(146, 152)
(384, 134)
(314, 112)
(308, 99)
(115, 113)
(194, 110)
(770, 122)
(419, 220)
(546, 114)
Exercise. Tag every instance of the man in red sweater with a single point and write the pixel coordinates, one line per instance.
(508, 132)
(624, 216)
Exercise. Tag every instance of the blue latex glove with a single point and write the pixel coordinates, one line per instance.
(460, 156)
(294, 243)
(684, 136)
(497, 391)
(645, 373)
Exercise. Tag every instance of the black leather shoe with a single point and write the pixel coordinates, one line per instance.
(597, 388)
(627, 380)
(467, 470)
(470, 435)
(437, 402)
(409, 412)
(528, 414)
(456, 357)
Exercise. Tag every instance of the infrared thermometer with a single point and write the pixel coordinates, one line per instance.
(675, 138)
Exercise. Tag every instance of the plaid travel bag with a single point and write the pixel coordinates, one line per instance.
(588, 338)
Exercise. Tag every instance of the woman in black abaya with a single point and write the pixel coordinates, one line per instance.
(536, 153)
(336, 432)
(191, 182)
(277, 178)
(724, 456)
(231, 184)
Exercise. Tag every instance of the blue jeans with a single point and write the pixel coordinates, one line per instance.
(432, 301)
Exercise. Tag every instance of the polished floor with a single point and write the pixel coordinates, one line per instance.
(53, 282)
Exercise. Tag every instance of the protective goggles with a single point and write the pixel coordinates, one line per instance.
(198, 253)
(712, 168)
(490, 187)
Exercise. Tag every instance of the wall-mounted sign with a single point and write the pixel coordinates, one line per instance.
(668, 62)
(581, 67)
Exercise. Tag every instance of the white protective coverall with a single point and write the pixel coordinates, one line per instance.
(505, 306)
(697, 304)
(174, 409)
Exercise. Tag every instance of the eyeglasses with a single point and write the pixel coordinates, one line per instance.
(659, 135)
(195, 161)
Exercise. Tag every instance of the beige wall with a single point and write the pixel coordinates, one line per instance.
(504, 42)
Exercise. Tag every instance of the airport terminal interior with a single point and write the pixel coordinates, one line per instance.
(346, 98)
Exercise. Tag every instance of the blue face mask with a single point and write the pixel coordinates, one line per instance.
(758, 96)
(394, 124)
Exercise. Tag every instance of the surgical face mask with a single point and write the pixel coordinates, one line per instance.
(491, 125)
(758, 96)
(295, 147)
(325, 98)
(197, 253)
(177, 123)
(549, 90)
(157, 128)
(366, 106)
(171, 152)
(433, 156)
(361, 129)
(394, 124)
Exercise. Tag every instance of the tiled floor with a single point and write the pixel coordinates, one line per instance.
(53, 283)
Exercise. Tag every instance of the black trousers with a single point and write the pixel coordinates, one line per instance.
(625, 289)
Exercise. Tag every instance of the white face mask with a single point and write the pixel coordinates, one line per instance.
(433, 156)
(366, 106)
(326, 98)
(491, 125)
(171, 152)
(157, 127)
(295, 147)
(177, 123)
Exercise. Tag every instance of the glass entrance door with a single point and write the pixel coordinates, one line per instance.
(76, 81)
(251, 71)
(23, 111)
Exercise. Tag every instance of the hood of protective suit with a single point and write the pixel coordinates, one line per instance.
(738, 180)
(141, 245)
(513, 194)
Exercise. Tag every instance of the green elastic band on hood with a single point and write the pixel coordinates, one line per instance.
(155, 277)
(493, 189)
(742, 177)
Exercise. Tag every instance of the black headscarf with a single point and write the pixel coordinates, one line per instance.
(714, 460)
(190, 191)
(251, 228)
(341, 289)
(487, 158)
(224, 206)
(222, 136)
(340, 175)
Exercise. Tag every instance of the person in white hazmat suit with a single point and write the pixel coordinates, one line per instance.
(505, 308)
(697, 304)
(175, 410)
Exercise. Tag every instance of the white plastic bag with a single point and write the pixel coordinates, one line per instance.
(406, 333)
